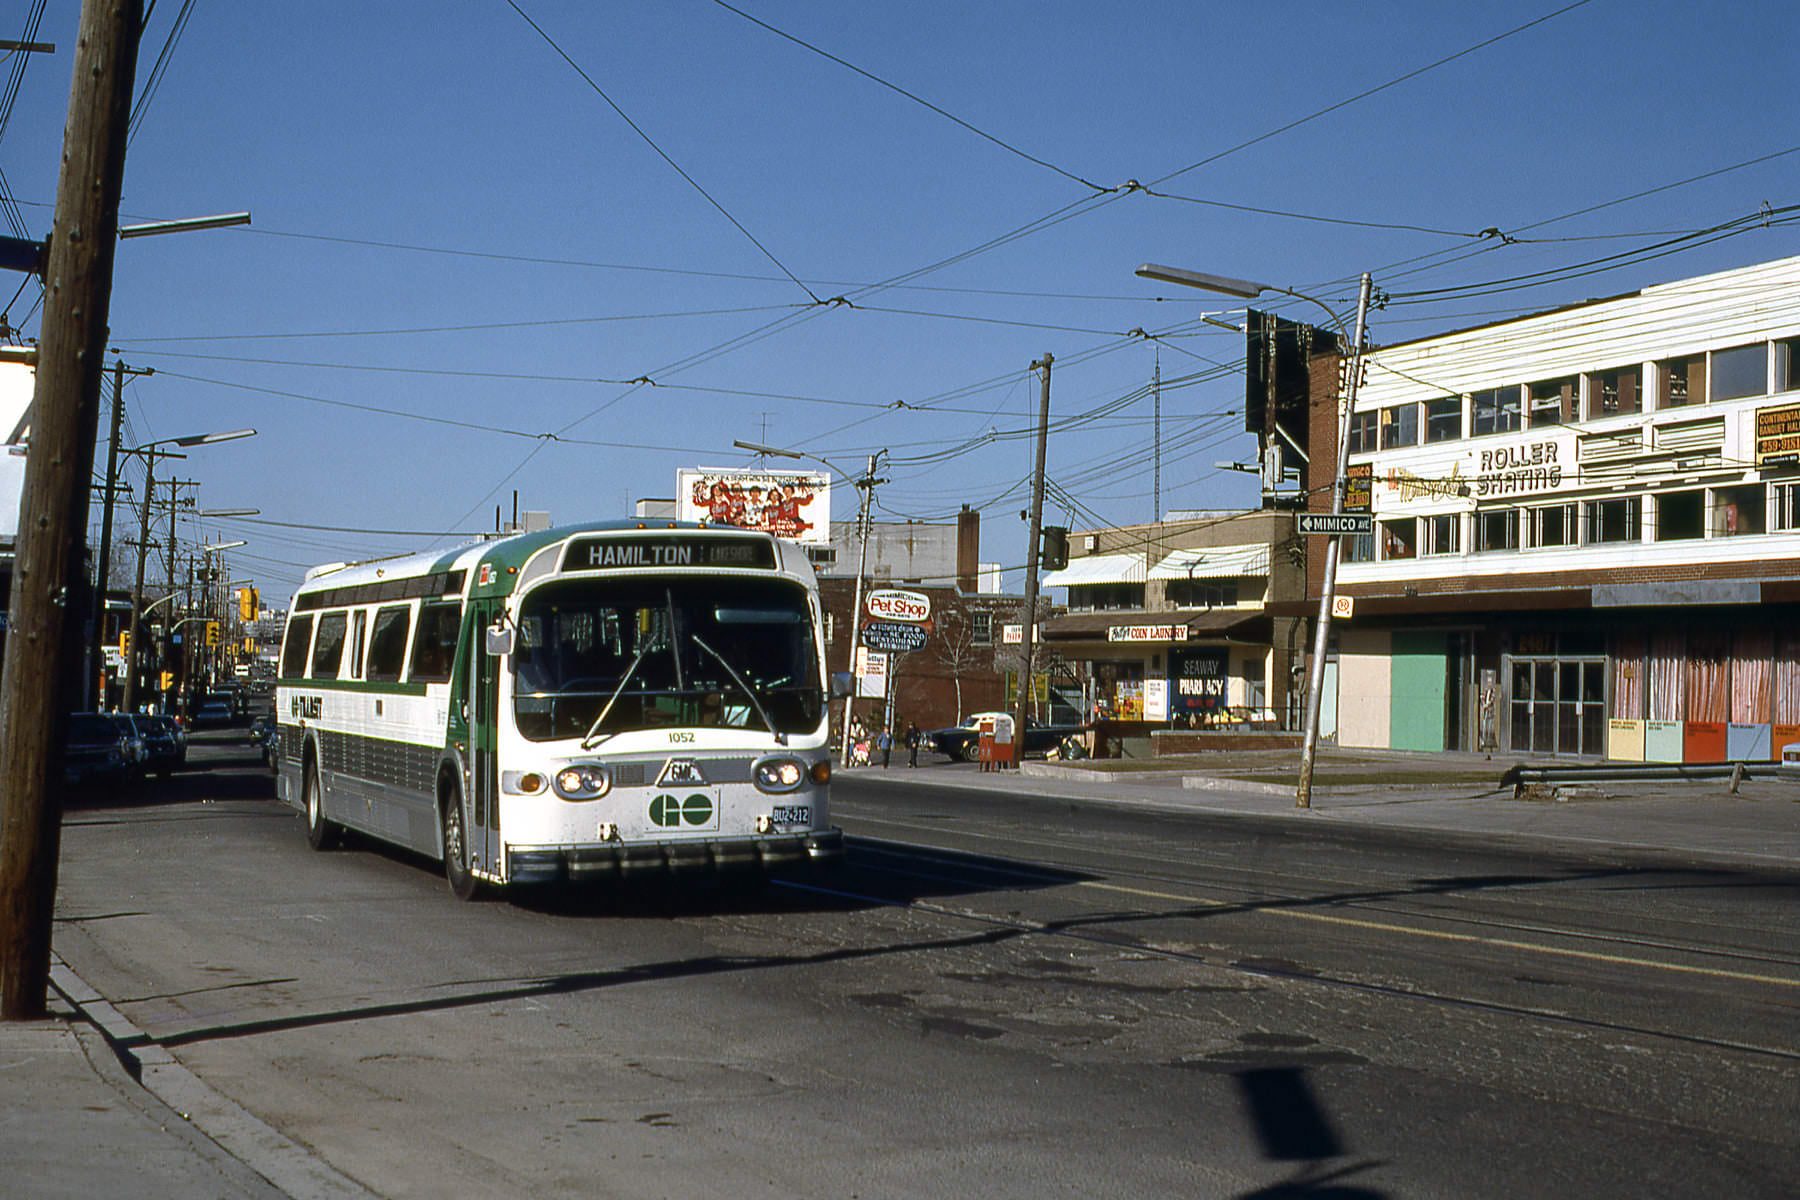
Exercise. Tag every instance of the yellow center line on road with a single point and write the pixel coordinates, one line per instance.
(1446, 936)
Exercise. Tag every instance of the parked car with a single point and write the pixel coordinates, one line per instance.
(964, 741)
(95, 752)
(137, 747)
(166, 742)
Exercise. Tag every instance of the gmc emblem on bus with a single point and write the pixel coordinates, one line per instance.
(306, 708)
(681, 770)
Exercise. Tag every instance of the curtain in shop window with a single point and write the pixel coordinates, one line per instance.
(1628, 670)
(1708, 675)
(1665, 675)
(1786, 684)
(1752, 654)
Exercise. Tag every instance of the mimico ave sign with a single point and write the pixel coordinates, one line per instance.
(891, 604)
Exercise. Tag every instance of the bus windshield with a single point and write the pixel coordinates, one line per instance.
(597, 657)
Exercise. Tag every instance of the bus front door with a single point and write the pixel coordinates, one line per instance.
(484, 701)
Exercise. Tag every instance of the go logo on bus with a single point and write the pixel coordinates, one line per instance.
(669, 811)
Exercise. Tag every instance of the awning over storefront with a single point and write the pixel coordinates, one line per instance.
(1098, 568)
(1194, 625)
(1215, 562)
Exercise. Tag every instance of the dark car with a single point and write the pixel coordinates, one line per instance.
(137, 746)
(95, 752)
(964, 741)
(262, 732)
(166, 743)
(210, 713)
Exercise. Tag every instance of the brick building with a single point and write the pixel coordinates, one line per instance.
(1587, 529)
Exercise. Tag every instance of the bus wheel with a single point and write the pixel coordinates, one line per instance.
(320, 833)
(456, 851)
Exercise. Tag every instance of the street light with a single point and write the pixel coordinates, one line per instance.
(1315, 677)
(149, 452)
(865, 485)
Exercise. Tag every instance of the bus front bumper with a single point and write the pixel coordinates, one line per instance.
(616, 860)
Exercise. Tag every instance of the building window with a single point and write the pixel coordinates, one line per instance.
(1443, 533)
(1554, 525)
(1680, 381)
(1203, 593)
(1399, 426)
(1443, 419)
(1784, 514)
(1613, 520)
(1358, 549)
(1400, 539)
(1787, 365)
(1553, 402)
(1095, 597)
(1363, 426)
(981, 628)
(1495, 410)
(1680, 515)
(1739, 510)
(1613, 392)
(1740, 371)
(1497, 529)
(821, 556)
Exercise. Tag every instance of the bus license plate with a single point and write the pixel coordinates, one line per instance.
(793, 814)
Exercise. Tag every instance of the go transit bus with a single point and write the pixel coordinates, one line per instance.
(577, 703)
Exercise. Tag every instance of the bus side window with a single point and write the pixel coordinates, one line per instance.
(434, 645)
(387, 643)
(328, 647)
(293, 651)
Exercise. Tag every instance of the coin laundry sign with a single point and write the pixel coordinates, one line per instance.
(891, 604)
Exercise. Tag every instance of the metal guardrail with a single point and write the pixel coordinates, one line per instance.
(1523, 775)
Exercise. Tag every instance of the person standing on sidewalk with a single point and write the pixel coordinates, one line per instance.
(913, 738)
(884, 742)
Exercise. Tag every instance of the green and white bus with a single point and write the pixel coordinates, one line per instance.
(580, 703)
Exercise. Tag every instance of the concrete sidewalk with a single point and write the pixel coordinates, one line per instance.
(75, 1123)
(1700, 822)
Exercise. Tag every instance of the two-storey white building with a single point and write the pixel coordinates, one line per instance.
(1587, 530)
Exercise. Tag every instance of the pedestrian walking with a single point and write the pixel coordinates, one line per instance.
(884, 742)
(913, 738)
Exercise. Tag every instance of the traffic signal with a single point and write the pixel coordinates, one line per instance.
(212, 633)
(247, 604)
(125, 642)
(1053, 550)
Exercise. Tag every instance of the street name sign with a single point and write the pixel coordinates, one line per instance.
(1347, 524)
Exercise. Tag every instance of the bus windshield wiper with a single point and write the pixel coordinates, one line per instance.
(781, 738)
(589, 740)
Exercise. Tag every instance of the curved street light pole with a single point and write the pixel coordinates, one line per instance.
(1315, 676)
(866, 485)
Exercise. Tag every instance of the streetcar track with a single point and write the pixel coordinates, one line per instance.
(1061, 929)
(1259, 898)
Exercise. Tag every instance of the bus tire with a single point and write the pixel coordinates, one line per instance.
(321, 834)
(463, 884)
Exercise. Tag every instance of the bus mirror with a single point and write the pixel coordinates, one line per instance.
(842, 684)
(499, 639)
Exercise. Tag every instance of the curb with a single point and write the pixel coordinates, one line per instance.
(286, 1164)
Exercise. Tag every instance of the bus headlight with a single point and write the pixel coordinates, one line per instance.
(779, 774)
(582, 781)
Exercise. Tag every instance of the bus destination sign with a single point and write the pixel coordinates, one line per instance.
(639, 551)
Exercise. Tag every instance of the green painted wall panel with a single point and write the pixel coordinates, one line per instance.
(1416, 708)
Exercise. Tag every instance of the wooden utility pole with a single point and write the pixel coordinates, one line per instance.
(45, 638)
(1029, 622)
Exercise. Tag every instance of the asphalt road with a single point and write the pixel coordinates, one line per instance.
(999, 996)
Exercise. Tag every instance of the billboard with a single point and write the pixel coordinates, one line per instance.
(789, 504)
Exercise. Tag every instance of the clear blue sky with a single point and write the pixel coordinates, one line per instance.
(452, 223)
